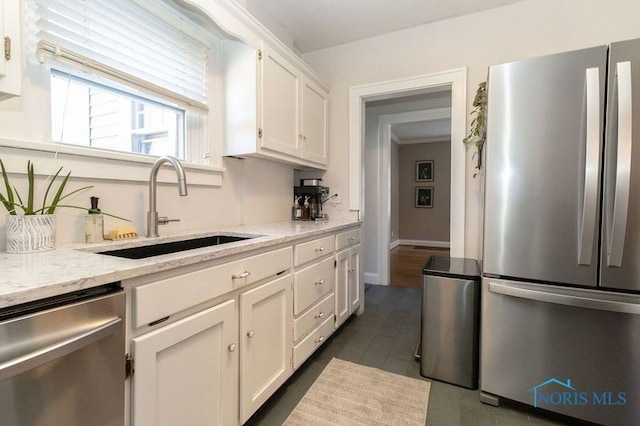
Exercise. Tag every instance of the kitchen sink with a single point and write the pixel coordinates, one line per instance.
(142, 252)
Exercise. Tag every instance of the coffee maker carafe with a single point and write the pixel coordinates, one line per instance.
(310, 195)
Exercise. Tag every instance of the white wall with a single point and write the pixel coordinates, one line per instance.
(253, 191)
(524, 29)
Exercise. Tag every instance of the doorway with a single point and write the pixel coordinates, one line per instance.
(374, 172)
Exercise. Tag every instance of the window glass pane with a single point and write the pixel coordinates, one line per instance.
(90, 114)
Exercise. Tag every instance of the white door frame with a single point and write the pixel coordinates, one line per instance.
(359, 95)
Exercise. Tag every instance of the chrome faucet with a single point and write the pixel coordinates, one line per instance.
(152, 215)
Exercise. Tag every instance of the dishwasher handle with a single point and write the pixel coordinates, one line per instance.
(58, 350)
(565, 299)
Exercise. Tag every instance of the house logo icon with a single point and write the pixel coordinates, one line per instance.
(556, 392)
(536, 389)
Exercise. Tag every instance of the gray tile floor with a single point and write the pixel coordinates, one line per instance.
(385, 337)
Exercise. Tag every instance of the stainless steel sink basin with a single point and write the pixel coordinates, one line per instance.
(151, 250)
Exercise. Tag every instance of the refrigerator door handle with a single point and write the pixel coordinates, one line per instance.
(623, 166)
(564, 299)
(590, 195)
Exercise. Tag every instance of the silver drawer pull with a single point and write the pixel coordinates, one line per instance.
(232, 347)
(319, 282)
(245, 274)
(250, 334)
(320, 339)
(320, 315)
(321, 249)
(352, 238)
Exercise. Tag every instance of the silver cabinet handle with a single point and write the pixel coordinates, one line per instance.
(245, 274)
(320, 315)
(565, 299)
(320, 339)
(319, 282)
(592, 161)
(57, 350)
(623, 166)
(250, 334)
(320, 249)
(232, 347)
(352, 238)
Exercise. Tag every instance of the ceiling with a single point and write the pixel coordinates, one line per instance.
(318, 24)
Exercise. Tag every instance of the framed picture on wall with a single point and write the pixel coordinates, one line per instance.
(424, 171)
(424, 196)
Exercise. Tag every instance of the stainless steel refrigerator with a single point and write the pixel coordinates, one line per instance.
(560, 327)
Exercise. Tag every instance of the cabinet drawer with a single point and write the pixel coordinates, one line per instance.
(312, 250)
(311, 283)
(171, 295)
(309, 344)
(347, 238)
(313, 317)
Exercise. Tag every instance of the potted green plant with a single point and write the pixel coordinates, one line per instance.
(31, 227)
(478, 132)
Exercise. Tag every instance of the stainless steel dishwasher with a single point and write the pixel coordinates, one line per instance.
(62, 360)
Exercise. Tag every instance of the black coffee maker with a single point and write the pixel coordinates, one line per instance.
(310, 195)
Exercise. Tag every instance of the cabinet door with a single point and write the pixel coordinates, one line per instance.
(10, 69)
(266, 342)
(354, 278)
(314, 122)
(187, 372)
(343, 303)
(280, 104)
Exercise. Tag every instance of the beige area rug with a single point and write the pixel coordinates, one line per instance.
(350, 394)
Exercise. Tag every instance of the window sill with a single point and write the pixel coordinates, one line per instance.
(92, 163)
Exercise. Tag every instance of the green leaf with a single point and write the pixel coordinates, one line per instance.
(20, 203)
(56, 199)
(9, 200)
(31, 179)
(46, 194)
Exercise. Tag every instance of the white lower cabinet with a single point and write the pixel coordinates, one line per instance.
(211, 342)
(265, 342)
(355, 290)
(186, 373)
(348, 286)
(343, 302)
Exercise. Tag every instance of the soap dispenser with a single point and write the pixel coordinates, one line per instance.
(94, 223)
(296, 209)
(306, 209)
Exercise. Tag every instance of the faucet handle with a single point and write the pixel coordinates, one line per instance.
(163, 220)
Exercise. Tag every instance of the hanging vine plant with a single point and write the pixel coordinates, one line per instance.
(478, 132)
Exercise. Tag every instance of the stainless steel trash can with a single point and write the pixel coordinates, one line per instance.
(450, 321)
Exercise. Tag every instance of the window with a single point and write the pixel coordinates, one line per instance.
(99, 116)
(126, 75)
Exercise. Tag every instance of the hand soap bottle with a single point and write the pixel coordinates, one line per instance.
(94, 223)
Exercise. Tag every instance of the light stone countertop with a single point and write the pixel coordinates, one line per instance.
(28, 277)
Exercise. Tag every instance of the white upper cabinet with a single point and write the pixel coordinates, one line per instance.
(314, 125)
(274, 108)
(10, 59)
(281, 101)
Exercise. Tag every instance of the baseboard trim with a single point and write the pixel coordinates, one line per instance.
(371, 278)
(394, 244)
(424, 243)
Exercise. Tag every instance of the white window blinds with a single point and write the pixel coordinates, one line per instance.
(161, 53)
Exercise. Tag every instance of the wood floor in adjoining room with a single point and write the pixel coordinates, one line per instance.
(407, 263)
